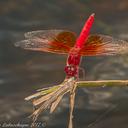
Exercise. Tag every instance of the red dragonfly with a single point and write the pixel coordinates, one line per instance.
(66, 42)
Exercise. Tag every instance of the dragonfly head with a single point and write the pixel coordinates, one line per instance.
(71, 70)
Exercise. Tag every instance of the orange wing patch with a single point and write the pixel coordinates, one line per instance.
(103, 45)
(55, 41)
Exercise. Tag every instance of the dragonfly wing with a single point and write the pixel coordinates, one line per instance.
(55, 41)
(42, 33)
(103, 45)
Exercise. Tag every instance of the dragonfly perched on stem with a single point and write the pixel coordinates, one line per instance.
(66, 42)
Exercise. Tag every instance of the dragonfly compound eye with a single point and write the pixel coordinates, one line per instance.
(71, 70)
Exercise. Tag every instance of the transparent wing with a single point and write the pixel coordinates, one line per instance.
(55, 41)
(103, 45)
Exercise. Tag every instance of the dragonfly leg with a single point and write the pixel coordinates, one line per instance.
(81, 74)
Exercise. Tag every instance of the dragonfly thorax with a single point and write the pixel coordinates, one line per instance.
(73, 59)
(73, 62)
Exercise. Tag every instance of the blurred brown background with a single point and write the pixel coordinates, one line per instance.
(22, 72)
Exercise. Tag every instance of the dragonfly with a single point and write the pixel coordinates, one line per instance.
(66, 42)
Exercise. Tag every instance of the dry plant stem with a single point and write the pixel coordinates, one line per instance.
(50, 98)
(100, 83)
(72, 101)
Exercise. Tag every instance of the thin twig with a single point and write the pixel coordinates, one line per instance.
(110, 83)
